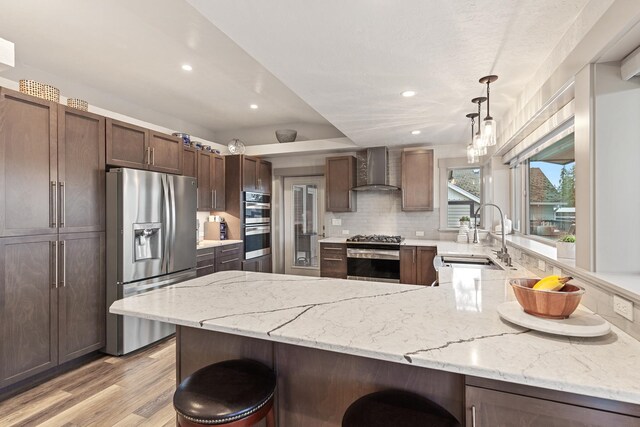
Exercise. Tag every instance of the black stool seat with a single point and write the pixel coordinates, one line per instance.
(397, 408)
(225, 392)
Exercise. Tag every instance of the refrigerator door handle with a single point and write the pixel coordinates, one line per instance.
(166, 220)
(172, 192)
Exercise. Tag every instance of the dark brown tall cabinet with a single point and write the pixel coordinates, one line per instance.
(340, 176)
(52, 226)
(417, 180)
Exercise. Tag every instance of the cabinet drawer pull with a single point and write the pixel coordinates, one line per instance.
(53, 264)
(53, 193)
(332, 259)
(63, 204)
(229, 250)
(231, 260)
(204, 266)
(473, 416)
(332, 249)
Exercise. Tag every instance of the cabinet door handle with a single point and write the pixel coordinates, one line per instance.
(231, 260)
(53, 191)
(215, 199)
(148, 155)
(473, 416)
(212, 206)
(153, 156)
(53, 264)
(63, 204)
(63, 265)
(414, 255)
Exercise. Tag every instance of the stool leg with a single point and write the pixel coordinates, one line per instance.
(271, 420)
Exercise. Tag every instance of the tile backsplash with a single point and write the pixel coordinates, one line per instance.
(381, 213)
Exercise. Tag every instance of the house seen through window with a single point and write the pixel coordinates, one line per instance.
(551, 195)
(463, 189)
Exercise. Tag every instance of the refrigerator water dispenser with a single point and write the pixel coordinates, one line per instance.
(147, 241)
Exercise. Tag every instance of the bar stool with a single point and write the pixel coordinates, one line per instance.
(397, 408)
(233, 393)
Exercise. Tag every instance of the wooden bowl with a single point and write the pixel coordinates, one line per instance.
(547, 304)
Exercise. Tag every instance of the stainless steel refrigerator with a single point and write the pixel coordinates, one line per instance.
(151, 244)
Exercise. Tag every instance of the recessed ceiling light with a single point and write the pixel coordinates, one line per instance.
(408, 93)
(187, 67)
(253, 106)
(415, 132)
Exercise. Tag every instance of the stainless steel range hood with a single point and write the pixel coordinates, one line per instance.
(373, 170)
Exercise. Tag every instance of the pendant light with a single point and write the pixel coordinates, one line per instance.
(478, 139)
(472, 154)
(489, 124)
(236, 146)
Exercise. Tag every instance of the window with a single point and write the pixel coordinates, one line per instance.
(463, 194)
(551, 190)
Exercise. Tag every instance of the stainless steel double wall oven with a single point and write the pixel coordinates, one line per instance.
(256, 224)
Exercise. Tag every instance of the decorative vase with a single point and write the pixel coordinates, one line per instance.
(566, 250)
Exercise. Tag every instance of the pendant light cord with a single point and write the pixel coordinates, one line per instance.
(488, 115)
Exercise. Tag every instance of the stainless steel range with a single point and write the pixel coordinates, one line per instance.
(374, 258)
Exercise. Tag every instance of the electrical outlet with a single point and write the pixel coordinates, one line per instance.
(336, 221)
(542, 266)
(623, 307)
(345, 232)
(557, 271)
(419, 233)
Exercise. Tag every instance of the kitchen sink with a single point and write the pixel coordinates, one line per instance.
(482, 262)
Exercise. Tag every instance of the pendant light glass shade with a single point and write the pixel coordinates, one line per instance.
(489, 132)
(471, 154)
(479, 145)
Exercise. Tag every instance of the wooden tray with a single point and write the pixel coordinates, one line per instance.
(581, 323)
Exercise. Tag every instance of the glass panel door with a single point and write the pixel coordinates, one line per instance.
(304, 224)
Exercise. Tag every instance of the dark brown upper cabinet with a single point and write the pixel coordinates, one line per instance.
(165, 153)
(28, 165)
(81, 175)
(211, 182)
(340, 175)
(190, 162)
(218, 182)
(132, 146)
(127, 145)
(205, 199)
(417, 180)
(256, 175)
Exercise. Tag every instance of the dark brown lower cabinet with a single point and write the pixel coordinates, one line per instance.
(81, 294)
(260, 265)
(416, 265)
(52, 292)
(229, 257)
(491, 408)
(333, 260)
(205, 261)
(28, 307)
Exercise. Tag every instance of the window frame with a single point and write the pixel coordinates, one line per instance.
(448, 164)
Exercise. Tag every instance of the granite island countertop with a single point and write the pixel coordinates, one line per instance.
(453, 327)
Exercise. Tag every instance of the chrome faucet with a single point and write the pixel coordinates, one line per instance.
(501, 254)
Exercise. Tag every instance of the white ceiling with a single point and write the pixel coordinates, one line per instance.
(350, 60)
(325, 62)
(133, 51)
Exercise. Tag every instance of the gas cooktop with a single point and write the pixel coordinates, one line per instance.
(375, 238)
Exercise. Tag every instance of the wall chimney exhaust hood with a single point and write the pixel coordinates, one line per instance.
(373, 170)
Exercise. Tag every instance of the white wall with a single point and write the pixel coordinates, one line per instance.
(617, 171)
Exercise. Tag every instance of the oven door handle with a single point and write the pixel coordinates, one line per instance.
(373, 254)
(250, 231)
(251, 205)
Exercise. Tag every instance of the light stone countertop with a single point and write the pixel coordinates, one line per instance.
(453, 327)
(212, 243)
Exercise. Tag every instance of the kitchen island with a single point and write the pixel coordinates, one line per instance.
(333, 340)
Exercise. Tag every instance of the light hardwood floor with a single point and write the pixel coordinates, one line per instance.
(132, 390)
